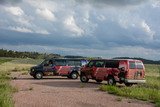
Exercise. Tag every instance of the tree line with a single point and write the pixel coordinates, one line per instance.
(17, 54)
(37, 55)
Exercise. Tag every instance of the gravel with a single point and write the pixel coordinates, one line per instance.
(62, 92)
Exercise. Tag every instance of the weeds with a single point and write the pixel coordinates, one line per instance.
(119, 99)
(6, 90)
(24, 73)
(31, 88)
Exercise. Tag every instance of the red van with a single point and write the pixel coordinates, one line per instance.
(127, 71)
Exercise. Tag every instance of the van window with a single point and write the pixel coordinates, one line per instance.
(90, 64)
(60, 62)
(70, 63)
(132, 65)
(112, 64)
(99, 64)
(77, 63)
(139, 65)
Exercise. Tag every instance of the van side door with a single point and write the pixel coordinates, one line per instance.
(100, 71)
(61, 66)
(89, 68)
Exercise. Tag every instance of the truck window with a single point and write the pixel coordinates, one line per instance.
(132, 65)
(60, 62)
(99, 64)
(139, 65)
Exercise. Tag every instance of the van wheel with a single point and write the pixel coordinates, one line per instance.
(99, 81)
(74, 75)
(68, 76)
(128, 84)
(84, 78)
(111, 81)
(38, 75)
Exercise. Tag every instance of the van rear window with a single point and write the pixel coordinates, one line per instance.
(139, 65)
(132, 65)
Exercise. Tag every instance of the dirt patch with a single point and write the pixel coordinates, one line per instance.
(63, 92)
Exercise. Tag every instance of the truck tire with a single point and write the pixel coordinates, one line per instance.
(84, 78)
(74, 75)
(111, 81)
(99, 81)
(38, 75)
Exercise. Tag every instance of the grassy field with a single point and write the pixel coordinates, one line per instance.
(147, 92)
(8, 65)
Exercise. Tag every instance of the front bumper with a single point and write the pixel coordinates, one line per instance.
(134, 81)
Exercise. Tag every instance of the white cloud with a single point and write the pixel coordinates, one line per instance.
(101, 18)
(21, 29)
(71, 25)
(156, 3)
(147, 29)
(17, 11)
(43, 32)
(46, 13)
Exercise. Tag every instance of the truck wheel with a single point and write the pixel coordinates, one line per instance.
(99, 81)
(128, 84)
(84, 78)
(38, 75)
(74, 75)
(111, 81)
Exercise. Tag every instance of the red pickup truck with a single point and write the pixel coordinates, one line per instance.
(127, 71)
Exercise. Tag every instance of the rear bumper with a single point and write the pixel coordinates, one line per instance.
(134, 81)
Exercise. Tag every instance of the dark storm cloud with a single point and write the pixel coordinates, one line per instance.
(9, 1)
(19, 38)
(112, 2)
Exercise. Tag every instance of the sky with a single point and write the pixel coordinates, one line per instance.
(95, 28)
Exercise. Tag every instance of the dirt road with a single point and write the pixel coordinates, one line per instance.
(63, 92)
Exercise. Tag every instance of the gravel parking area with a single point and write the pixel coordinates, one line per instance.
(63, 92)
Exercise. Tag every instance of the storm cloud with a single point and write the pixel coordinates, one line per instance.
(87, 27)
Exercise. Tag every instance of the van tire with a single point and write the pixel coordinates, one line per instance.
(84, 78)
(38, 75)
(68, 76)
(74, 75)
(111, 81)
(98, 81)
(128, 84)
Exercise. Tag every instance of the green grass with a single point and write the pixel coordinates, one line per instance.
(152, 70)
(150, 91)
(6, 91)
(140, 93)
(5, 88)
(7, 65)
(3, 60)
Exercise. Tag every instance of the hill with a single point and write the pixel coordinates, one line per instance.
(145, 61)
